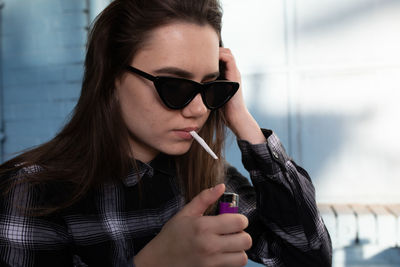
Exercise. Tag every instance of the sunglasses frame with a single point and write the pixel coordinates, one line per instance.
(201, 88)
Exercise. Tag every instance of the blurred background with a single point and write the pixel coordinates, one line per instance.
(324, 75)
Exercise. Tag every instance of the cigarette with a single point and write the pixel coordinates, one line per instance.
(203, 144)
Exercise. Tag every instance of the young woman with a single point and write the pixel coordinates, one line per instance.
(124, 183)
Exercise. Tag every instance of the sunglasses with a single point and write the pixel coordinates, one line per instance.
(177, 93)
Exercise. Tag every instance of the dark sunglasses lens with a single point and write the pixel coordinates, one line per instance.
(218, 93)
(174, 92)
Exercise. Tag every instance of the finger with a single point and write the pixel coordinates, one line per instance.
(226, 56)
(234, 242)
(225, 50)
(232, 72)
(202, 201)
(231, 259)
(230, 223)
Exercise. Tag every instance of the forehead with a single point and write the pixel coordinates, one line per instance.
(180, 44)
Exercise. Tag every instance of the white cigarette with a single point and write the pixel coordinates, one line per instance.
(203, 144)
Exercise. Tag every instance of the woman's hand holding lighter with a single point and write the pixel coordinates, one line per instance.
(191, 239)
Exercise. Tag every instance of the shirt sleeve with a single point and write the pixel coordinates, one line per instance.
(27, 240)
(284, 222)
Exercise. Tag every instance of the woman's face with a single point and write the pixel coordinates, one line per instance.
(182, 50)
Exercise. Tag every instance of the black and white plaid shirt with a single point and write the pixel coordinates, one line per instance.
(112, 223)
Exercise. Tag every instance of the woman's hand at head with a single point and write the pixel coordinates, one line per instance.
(236, 104)
(191, 239)
(237, 116)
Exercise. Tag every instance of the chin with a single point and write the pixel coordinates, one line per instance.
(177, 150)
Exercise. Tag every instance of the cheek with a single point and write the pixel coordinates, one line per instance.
(140, 107)
(133, 98)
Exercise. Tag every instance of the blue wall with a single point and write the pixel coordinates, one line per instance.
(43, 46)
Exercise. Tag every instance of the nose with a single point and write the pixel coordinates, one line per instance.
(196, 107)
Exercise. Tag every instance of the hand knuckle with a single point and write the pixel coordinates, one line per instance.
(203, 196)
(200, 227)
(208, 248)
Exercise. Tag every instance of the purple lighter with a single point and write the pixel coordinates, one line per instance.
(228, 203)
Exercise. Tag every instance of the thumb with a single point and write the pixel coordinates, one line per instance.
(202, 201)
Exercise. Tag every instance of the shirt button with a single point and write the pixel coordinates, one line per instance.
(275, 154)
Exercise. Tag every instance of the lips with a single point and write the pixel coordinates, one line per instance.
(184, 133)
(189, 129)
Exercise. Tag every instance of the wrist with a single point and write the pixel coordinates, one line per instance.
(245, 127)
(140, 260)
(145, 258)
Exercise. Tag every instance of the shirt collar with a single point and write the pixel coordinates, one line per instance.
(161, 163)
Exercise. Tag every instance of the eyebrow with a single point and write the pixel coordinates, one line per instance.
(184, 74)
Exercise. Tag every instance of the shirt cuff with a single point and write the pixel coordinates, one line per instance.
(268, 157)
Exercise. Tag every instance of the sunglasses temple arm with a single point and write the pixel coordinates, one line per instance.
(141, 73)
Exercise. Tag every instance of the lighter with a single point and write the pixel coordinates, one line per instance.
(228, 203)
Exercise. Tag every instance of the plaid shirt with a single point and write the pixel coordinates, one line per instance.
(114, 221)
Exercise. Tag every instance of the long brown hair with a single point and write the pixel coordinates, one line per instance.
(92, 148)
